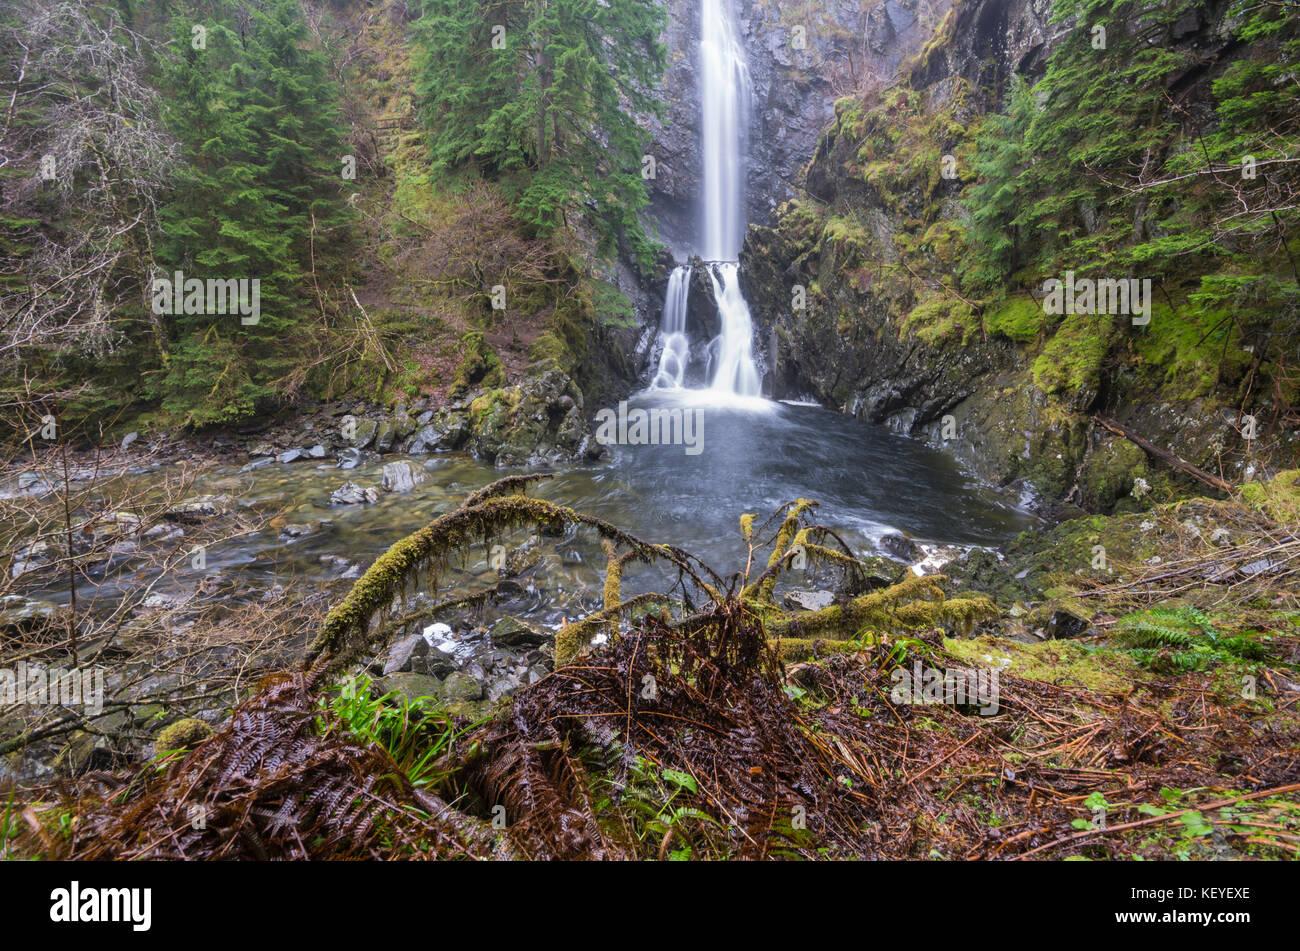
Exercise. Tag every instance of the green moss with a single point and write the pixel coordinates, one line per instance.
(1278, 499)
(938, 318)
(1072, 360)
(182, 735)
(1108, 474)
(1016, 318)
(1056, 662)
(479, 366)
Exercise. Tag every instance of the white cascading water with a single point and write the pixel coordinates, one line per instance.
(724, 93)
(724, 88)
(673, 359)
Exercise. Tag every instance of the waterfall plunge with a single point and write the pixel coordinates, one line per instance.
(724, 93)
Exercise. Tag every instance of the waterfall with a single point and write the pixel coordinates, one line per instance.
(724, 95)
(732, 351)
(672, 331)
(724, 92)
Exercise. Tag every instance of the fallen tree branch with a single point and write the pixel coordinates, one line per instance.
(1165, 456)
(1276, 791)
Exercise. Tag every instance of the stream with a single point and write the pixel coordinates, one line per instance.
(755, 456)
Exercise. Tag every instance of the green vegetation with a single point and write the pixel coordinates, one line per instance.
(544, 96)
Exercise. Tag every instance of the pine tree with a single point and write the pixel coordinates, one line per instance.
(552, 88)
(259, 199)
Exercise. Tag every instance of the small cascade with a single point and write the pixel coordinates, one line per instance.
(672, 331)
(734, 372)
(724, 95)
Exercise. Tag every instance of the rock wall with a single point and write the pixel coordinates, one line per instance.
(852, 348)
(801, 58)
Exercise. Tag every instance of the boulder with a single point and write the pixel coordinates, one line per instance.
(511, 632)
(407, 655)
(897, 545)
(402, 476)
(801, 600)
(357, 433)
(349, 493)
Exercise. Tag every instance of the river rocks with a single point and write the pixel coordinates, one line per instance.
(31, 558)
(537, 422)
(349, 493)
(199, 509)
(511, 632)
(23, 616)
(879, 572)
(897, 545)
(411, 686)
(357, 433)
(461, 686)
(350, 458)
(407, 654)
(467, 669)
(385, 435)
(402, 476)
(801, 600)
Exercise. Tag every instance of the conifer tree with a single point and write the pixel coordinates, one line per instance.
(553, 89)
(259, 199)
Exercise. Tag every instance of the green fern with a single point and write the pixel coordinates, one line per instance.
(1182, 639)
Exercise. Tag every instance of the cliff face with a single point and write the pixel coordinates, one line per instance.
(800, 62)
(878, 243)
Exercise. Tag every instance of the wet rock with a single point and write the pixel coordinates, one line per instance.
(412, 686)
(402, 476)
(293, 455)
(524, 558)
(350, 458)
(385, 436)
(31, 557)
(461, 686)
(199, 509)
(345, 568)
(349, 493)
(19, 615)
(297, 530)
(403, 424)
(408, 654)
(128, 439)
(357, 433)
(1066, 619)
(260, 463)
(802, 600)
(317, 451)
(511, 632)
(539, 421)
(897, 545)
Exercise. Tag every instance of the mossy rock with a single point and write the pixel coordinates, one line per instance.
(1067, 663)
(1016, 318)
(182, 735)
(1109, 473)
(479, 366)
(1279, 498)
